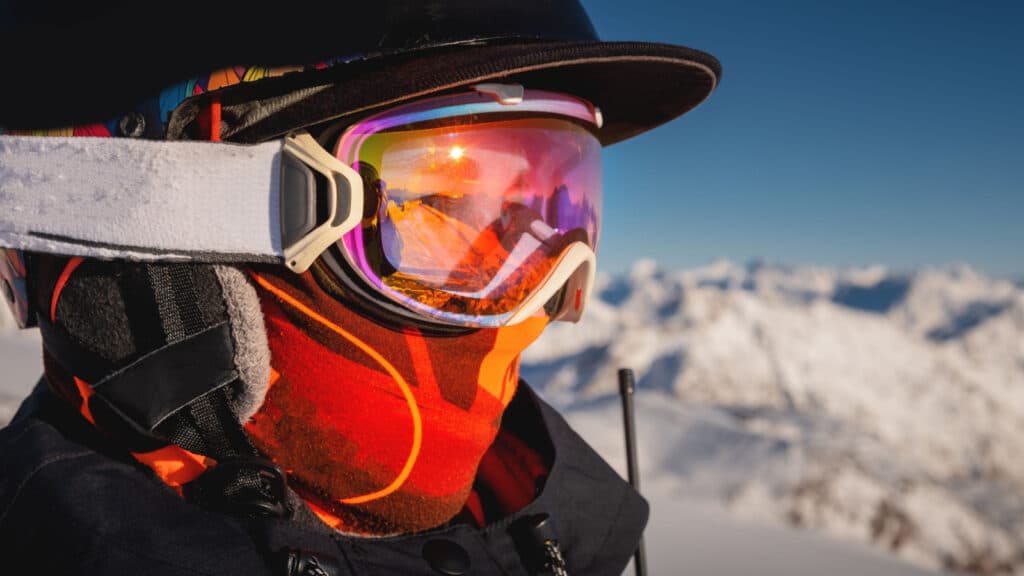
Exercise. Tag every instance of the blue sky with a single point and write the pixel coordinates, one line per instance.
(853, 133)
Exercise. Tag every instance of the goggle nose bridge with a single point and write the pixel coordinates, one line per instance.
(572, 278)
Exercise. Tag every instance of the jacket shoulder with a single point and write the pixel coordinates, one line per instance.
(75, 510)
(601, 517)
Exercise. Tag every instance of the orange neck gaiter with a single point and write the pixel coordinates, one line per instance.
(380, 431)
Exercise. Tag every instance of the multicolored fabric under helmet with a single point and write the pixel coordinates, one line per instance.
(149, 119)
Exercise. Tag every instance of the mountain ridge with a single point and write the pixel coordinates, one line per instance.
(869, 404)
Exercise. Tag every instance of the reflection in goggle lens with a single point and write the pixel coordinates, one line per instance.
(468, 215)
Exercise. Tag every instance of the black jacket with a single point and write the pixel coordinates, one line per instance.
(71, 504)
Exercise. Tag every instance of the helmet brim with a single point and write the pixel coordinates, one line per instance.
(637, 85)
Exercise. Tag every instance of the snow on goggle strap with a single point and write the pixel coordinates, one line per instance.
(282, 201)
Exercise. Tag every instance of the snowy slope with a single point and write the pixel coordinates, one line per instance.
(690, 538)
(21, 363)
(872, 406)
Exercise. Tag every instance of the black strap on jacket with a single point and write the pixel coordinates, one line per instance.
(180, 390)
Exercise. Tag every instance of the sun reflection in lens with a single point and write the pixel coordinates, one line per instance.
(456, 152)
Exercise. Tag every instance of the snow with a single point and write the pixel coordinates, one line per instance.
(700, 539)
(876, 407)
(21, 363)
(791, 420)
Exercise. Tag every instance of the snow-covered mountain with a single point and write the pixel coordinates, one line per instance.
(870, 405)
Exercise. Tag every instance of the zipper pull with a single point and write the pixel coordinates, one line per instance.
(543, 533)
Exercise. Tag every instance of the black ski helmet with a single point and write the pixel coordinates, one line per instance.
(69, 64)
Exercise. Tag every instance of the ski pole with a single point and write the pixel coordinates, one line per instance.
(626, 386)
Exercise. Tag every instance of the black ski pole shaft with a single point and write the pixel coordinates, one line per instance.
(626, 387)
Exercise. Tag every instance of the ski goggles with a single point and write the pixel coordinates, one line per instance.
(480, 209)
(476, 209)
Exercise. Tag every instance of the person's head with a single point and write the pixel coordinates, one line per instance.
(349, 234)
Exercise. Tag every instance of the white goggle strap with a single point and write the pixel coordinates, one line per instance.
(113, 198)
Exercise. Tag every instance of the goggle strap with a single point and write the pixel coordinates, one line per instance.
(150, 200)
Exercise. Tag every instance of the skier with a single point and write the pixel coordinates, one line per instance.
(282, 305)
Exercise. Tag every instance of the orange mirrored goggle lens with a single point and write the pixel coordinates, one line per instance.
(467, 213)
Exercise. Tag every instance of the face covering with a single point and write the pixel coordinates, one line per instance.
(380, 429)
